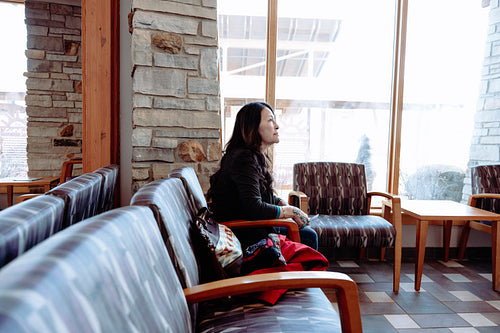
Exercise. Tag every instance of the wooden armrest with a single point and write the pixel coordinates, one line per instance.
(302, 200)
(391, 209)
(381, 194)
(25, 197)
(293, 229)
(67, 168)
(474, 197)
(347, 291)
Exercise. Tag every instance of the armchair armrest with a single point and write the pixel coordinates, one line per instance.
(293, 229)
(302, 198)
(474, 197)
(391, 210)
(346, 289)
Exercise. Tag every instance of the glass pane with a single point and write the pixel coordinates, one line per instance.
(242, 53)
(333, 95)
(13, 120)
(442, 75)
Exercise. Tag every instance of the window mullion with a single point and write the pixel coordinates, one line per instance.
(272, 39)
(397, 96)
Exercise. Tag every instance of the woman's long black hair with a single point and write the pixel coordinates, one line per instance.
(246, 135)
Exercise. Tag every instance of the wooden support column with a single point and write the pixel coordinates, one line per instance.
(100, 71)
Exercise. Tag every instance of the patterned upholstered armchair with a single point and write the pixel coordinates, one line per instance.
(485, 195)
(336, 198)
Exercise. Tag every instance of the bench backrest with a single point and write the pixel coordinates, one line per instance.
(109, 273)
(172, 209)
(28, 223)
(81, 196)
(192, 185)
(108, 187)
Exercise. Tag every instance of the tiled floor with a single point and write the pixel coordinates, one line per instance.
(454, 297)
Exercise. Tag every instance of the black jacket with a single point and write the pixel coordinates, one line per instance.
(240, 192)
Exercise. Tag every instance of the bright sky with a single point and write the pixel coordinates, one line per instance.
(12, 47)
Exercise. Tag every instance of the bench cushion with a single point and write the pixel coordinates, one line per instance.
(355, 231)
(110, 273)
(305, 310)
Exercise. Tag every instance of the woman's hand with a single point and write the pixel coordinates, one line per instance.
(296, 214)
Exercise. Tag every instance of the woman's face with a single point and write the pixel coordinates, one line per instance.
(268, 128)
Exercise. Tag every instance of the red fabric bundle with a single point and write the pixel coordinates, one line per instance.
(299, 257)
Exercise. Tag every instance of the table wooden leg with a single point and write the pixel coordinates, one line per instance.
(10, 194)
(421, 239)
(463, 240)
(446, 238)
(495, 255)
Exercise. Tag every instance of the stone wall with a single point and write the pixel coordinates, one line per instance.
(485, 146)
(54, 84)
(176, 108)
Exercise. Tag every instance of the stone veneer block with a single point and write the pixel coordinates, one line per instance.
(209, 68)
(35, 54)
(175, 61)
(176, 8)
(188, 133)
(203, 86)
(209, 29)
(152, 154)
(166, 82)
(178, 103)
(165, 22)
(45, 43)
(185, 119)
(141, 137)
(164, 143)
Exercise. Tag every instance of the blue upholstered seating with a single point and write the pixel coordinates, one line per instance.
(26, 224)
(113, 273)
(174, 213)
(81, 196)
(110, 273)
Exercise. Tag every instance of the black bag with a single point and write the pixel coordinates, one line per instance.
(263, 254)
(218, 249)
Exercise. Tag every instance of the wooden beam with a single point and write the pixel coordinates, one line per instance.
(100, 71)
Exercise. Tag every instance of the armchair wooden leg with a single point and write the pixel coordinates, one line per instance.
(463, 240)
(495, 255)
(397, 262)
(361, 253)
(446, 238)
(382, 254)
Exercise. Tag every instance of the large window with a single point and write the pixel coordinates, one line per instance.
(441, 85)
(335, 68)
(13, 161)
